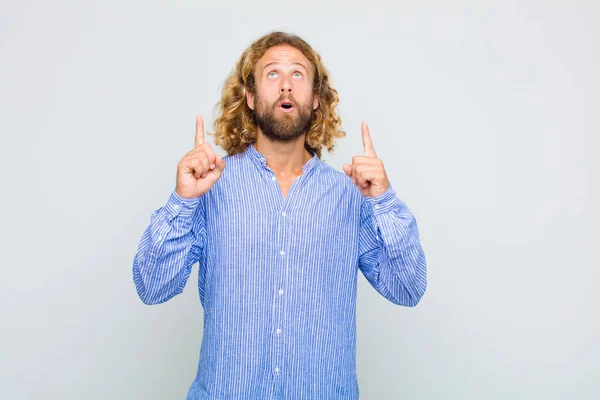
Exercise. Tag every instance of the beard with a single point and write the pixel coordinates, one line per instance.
(283, 127)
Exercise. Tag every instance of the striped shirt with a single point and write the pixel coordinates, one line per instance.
(278, 276)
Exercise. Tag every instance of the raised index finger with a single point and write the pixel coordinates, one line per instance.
(199, 131)
(367, 143)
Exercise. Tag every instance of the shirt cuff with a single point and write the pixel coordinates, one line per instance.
(179, 206)
(385, 202)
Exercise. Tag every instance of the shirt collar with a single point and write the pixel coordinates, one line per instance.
(260, 159)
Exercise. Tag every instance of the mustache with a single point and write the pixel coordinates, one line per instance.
(285, 98)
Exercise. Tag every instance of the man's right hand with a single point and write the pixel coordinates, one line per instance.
(200, 168)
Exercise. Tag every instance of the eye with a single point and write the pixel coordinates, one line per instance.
(272, 74)
(297, 75)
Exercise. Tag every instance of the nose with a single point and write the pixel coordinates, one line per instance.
(286, 86)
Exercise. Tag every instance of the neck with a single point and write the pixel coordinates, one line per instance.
(284, 158)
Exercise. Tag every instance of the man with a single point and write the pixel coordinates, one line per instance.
(279, 235)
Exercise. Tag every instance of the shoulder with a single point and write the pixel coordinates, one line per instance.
(328, 171)
(339, 180)
(234, 165)
(234, 159)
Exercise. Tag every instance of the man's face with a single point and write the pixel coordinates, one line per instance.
(283, 102)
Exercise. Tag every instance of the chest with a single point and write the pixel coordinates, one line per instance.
(269, 216)
(284, 185)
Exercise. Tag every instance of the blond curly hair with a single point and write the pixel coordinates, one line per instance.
(236, 127)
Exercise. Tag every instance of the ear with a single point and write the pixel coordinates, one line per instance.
(250, 99)
(316, 102)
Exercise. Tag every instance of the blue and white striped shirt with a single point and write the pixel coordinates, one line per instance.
(278, 276)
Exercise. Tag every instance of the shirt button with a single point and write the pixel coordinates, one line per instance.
(282, 253)
(284, 214)
(273, 179)
(376, 206)
(278, 331)
(276, 369)
(280, 291)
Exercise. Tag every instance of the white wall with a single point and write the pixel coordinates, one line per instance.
(486, 117)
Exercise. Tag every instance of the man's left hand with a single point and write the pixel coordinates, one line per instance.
(367, 171)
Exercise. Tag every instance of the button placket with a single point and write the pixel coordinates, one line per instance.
(280, 274)
(283, 222)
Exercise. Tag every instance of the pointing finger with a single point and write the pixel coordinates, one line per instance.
(366, 138)
(199, 131)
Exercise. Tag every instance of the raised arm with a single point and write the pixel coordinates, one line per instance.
(390, 252)
(174, 240)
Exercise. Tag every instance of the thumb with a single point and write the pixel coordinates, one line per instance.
(219, 166)
(347, 169)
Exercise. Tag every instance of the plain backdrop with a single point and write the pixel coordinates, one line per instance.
(486, 115)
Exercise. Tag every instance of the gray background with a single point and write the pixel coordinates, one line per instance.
(485, 115)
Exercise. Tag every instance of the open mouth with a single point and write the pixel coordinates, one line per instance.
(286, 106)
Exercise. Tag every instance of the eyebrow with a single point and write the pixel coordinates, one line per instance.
(276, 62)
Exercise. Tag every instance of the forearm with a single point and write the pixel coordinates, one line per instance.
(396, 264)
(169, 247)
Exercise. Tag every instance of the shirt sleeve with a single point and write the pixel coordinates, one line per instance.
(169, 247)
(390, 252)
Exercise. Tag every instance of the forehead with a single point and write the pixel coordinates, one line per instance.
(283, 54)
